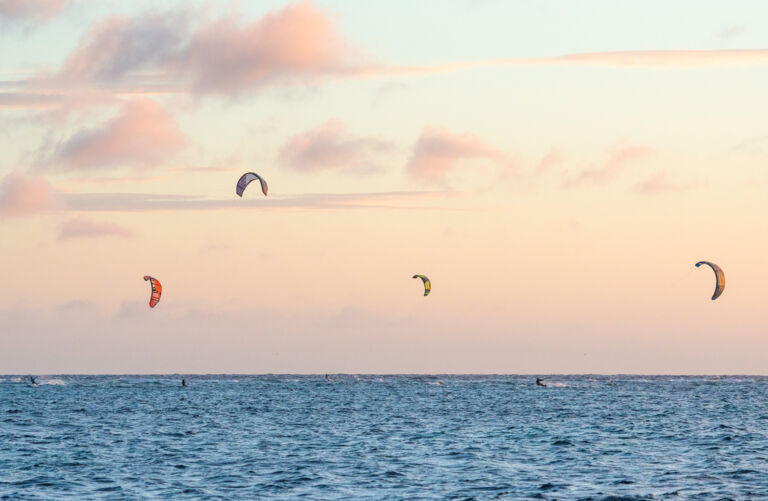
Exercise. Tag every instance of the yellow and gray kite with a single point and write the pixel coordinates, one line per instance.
(719, 278)
(427, 283)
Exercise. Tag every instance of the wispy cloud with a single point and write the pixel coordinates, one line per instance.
(21, 195)
(86, 180)
(30, 9)
(659, 182)
(663, 58)
(89, 228)
(620, 59)
(143, 134)
(616, 165)
(438, 151)
(552, 159)
(121, 47)
(753, 145)
(136, 202)
(330, 147)
(30, 100)
(731, 32)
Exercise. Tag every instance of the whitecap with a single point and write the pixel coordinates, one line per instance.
(54, 381)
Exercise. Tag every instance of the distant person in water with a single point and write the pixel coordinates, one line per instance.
(33, 380)
(183, 382)
(540, 382)
(327, 378)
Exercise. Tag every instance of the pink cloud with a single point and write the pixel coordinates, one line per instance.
(659, 182)
(330, 147)
(21, 195)
(160, 51)
(552, 159)
(616, 164)
(88, 228)
(619, 59)
(664, 58)
(293, 44)
(30, 9)
(438, 151)
(28, 100)
(117, 179)
(120, 46)
(143, 134)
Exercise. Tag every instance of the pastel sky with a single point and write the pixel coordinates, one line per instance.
(555, 167)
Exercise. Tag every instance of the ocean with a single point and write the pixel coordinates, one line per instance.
(384, 437)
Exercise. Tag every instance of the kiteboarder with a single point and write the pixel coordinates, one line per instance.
(540, 382)
(183, 382)
(33, 381)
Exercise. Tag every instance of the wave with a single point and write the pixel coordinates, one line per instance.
(52, 381)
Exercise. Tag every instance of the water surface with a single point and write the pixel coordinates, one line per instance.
(384, 437)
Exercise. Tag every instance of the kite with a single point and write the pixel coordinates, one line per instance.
(246, 179)
(157, 289)
(719, 278)
(427, 284)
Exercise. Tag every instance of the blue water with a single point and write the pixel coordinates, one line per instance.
(384, 437)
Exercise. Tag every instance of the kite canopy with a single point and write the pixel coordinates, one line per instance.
(246, 179)
(719, 278)
(157, 289)
(427, 283)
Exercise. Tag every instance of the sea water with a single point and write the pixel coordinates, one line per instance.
(384, 437)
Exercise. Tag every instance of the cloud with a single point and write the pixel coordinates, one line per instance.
(330, 147)
(659, 183)
(30, 9)
(76, 306)
(620, 59)
(143, 134)
(728, 33)
(438, 150)
(21, 195)
(88, 228)
(165, 52)
(616, 164)
(187, 51)
(293, 44)
(552, 159)
(184, 51)
(136, 202)
(663, 58)
(754, 145)
(120, 47)
(27, 100)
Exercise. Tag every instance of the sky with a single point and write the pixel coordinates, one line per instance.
(556, 168)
